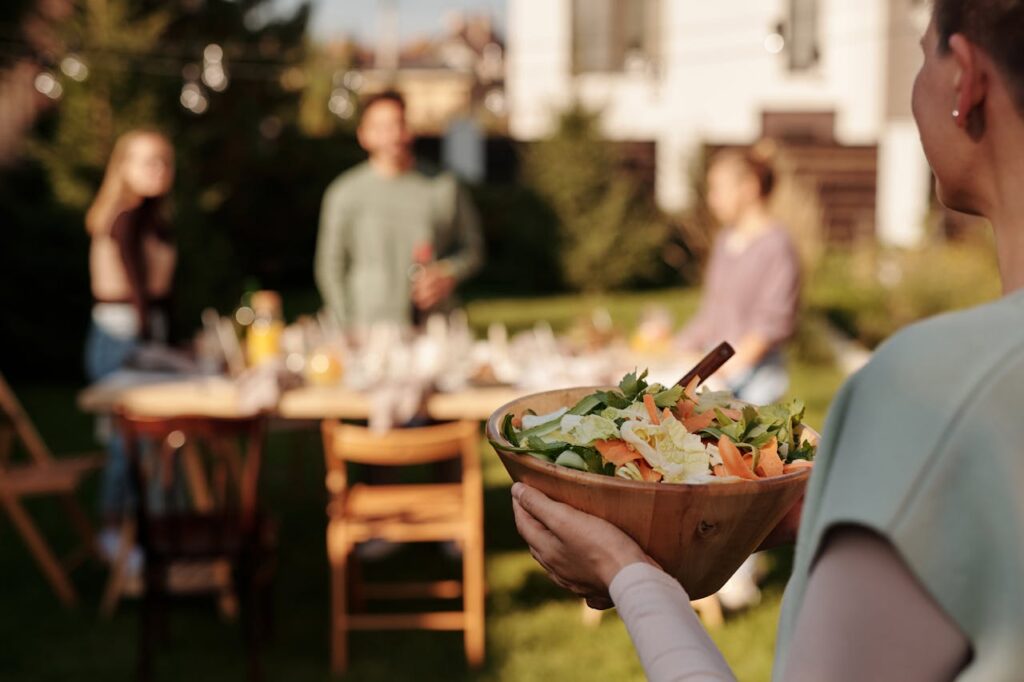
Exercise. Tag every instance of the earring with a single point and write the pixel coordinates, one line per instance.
(956, 113)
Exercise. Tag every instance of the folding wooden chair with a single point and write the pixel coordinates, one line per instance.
(433, 512)
(44, 475)
(221, 525)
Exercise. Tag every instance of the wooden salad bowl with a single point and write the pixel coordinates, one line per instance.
(699, 533)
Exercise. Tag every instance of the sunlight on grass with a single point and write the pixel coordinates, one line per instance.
(535, 630)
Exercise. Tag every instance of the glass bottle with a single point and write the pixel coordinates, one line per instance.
(263, 340)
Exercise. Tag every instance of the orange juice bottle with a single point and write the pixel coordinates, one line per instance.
(263, 340)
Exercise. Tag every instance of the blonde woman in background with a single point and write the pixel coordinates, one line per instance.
(132, 257)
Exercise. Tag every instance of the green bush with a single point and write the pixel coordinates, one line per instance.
(870, 294)
(609, 231)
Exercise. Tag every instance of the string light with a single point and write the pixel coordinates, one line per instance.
(48, 85)
(353, 80)
(74, 68)
(193, 98)
(215, 76)
(340, 104)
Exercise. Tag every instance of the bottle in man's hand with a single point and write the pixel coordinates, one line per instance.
(422, 258)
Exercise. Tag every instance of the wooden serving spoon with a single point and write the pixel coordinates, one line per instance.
(708, 365)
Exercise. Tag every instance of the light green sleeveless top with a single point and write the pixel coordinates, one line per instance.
(925, 446)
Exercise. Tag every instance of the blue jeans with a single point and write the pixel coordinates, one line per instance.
(105, 353)
(764, 383)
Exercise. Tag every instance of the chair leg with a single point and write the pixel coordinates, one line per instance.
(118, 569)
(473, 600)
(151, 616)
(48, 563)
(337, 552)
(84, 528)
(244, 579)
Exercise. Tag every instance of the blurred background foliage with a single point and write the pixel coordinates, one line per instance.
(566, 216)
(609, 233)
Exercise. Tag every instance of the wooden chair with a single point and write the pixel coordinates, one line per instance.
(221, 525)
(44, 475)
(405, 513)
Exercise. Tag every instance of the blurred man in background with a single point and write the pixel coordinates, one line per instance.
(395, 237)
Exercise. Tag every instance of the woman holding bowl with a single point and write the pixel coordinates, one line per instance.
(910, 550)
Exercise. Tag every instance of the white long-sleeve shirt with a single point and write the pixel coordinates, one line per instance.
(669, 638)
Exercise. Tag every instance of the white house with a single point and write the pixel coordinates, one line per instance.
(683, 73)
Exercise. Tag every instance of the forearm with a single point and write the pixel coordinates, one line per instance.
(468, 258)
(669, 638)
(130, 250)
(751, 349)
(329, 261)
(693, 337)
(332, 291)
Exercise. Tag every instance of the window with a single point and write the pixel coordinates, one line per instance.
(615, 35)
(803, 34)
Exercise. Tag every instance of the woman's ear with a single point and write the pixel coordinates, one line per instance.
(970, 84)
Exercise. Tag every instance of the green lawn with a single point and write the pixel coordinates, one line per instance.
(534, 630)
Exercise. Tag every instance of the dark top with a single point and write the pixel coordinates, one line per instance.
(129, 232)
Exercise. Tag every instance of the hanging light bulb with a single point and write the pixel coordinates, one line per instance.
(213, 54)
(74, 68)
(214, 75)
(353, 80)
(340, 104)
(193, 98)
(47, 84)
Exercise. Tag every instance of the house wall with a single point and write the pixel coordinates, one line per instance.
(715, 78)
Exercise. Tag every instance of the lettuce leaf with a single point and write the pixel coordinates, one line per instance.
(633, 385)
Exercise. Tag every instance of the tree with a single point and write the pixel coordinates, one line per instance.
(144, 59)
(610, 233)
(248, 182)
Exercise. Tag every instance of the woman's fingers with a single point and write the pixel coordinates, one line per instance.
(555, 516)
(600, 603)
(533, 531)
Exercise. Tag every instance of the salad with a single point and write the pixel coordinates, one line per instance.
(647, 432)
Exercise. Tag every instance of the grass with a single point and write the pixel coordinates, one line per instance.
(534, 629)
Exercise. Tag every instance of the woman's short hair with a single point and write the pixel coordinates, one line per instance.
(997, 26)
(758, 160)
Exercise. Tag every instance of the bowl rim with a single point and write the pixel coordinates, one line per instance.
(493, 432)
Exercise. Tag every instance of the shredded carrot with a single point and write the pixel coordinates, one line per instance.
(697, 422)
(718, 470)
(685, 408)
(769, 460)
(647, 473)
(691, 389)
(652, 409)
(517, 422)
(667, 414)
(796, 465)
(733, 461)
(618, 452)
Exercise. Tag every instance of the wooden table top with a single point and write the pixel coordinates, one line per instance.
(218, 397)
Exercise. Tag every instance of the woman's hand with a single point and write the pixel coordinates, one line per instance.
(580, 552)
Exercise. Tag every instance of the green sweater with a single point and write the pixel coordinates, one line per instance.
(924, 447)
(370, 226)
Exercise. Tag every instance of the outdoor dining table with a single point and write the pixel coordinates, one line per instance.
(161, 396)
